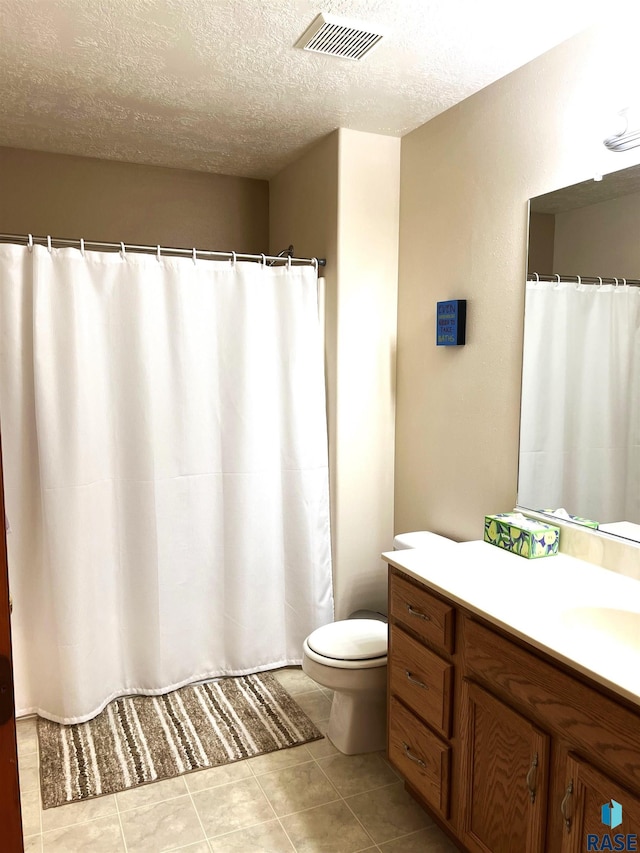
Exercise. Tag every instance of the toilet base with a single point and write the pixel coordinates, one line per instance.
(358, 722)
(358, 718)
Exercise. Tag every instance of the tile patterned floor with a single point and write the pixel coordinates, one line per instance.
(307, 799)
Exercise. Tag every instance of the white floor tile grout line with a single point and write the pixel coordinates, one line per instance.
(191, 844)
(344, 800)
(299, 811)
(369, 790)
(124, 837)
(246, 826)
(195, 808)
(416, 831)
(288, 837)
(310, 808)
(39, 789)
(35, 751)
(151, 802)
(222, 835)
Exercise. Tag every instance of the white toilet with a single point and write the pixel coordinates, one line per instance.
(350, 658)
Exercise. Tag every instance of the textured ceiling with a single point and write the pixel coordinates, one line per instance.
(216, 85)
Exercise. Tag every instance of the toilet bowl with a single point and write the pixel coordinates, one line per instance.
(350, 657)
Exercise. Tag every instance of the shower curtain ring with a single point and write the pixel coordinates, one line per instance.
(264, 260)
(315, 264)
(579, 280)
(537, 278)
(122, 251)
(49, 243)
(158, 253)
(193, 255)
(288, 262)
(82, 247)
(624, 282)
(30, 242)
(233, 259)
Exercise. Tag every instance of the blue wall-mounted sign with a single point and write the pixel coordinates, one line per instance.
(451, 320)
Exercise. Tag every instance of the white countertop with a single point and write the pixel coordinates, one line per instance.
(576, 612)
(622, 528)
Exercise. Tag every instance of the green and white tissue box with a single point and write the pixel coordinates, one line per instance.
(520, 535)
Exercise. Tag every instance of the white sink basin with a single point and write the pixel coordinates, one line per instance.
(610, 624)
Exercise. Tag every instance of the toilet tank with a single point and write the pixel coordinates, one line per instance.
(418, 539)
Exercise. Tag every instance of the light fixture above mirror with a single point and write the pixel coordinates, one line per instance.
(627, 131)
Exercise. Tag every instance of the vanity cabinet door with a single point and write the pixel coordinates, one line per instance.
(505, 775)
(586, 792)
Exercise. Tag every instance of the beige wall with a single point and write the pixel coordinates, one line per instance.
(466, 178)
(109, 201)
(341, 200)
(303, 211)
(368, 211)
(601, 239)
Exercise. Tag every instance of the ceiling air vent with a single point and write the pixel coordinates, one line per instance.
(338, 37)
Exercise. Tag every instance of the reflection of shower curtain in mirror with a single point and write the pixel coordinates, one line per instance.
(165, 458)
(580, 428)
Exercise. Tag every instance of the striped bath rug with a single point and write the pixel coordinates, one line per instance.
(141, 739)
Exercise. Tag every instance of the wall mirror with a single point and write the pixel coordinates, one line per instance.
(580, 407)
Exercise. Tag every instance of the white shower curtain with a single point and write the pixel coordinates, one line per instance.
(580, 421)
(165, 460)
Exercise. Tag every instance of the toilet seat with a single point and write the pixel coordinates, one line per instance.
(349, 644)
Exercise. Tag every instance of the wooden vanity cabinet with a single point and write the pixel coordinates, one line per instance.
(504, 769)
(510, 751)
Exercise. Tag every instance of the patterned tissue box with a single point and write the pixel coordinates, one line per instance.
(585, 522)
(522, 536)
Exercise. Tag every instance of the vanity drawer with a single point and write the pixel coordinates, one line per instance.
(427, 616)
(420, 756)
(421, 679)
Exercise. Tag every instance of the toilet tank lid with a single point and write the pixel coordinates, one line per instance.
(418, 539)
(350, 639)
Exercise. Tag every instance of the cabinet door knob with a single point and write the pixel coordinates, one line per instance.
(408, 753)
(564, 806)
(531, 778)
(415, 680)
(418, 613)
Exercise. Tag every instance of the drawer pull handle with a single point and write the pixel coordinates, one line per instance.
(417, 613)
(531, 778)
(564, 804)
(415, 680)
(407, 751)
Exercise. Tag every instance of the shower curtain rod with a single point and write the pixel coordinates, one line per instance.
(286, 257)
(584, 279)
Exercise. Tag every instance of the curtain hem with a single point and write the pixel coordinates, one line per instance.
(160, 691)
